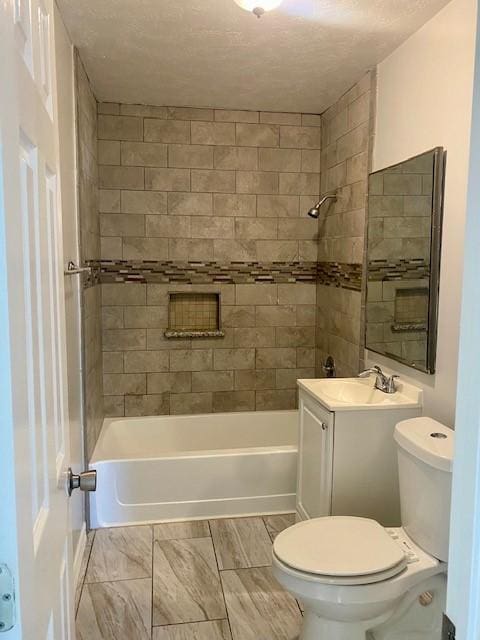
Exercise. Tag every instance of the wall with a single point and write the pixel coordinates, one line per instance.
(424, 100)
(87, 177)
(217, 201)
(67, 148)
(346, 151)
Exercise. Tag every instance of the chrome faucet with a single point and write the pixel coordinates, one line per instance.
(382, 383)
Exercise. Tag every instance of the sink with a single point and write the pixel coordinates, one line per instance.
(360, 393)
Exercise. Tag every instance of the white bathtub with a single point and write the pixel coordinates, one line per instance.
(186, 467)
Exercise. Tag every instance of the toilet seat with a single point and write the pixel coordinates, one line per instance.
(340, 550)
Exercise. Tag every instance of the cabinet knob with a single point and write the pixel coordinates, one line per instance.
(324, 426)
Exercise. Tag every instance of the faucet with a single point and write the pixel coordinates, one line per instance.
(383, 382)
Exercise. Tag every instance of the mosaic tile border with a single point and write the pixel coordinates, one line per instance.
(335, 274)
(385, 270)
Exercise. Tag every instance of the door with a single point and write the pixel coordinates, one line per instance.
(315, 455)
(34, 525)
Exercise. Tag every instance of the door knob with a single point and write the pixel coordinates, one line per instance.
(86, 481)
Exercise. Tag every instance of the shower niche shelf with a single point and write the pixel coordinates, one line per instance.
(194, 315)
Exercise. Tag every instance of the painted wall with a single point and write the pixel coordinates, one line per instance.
(424, 99)
(66, 121)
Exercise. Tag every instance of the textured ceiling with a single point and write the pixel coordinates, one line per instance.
(211, 53)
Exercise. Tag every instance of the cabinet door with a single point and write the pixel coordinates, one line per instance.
(314, 482)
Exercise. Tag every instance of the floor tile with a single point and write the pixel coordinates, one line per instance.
(83, 567)
(181, 530)
(124, 553)
(215, 630)
(276, 524)
(115, 610)
(241, 543)
(258, 607)
(186, 584)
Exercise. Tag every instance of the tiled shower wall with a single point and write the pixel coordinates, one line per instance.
(87, 168)
(212, 187)
(347, 136)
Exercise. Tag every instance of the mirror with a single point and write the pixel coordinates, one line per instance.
(405, 207)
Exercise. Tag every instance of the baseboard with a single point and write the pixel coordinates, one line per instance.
(78, 557)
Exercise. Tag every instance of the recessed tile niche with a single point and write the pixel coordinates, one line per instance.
(194, 315)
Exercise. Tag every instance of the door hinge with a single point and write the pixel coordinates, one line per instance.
(7, 599)
(448, 628)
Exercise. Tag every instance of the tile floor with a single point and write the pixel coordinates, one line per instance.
(202, 580)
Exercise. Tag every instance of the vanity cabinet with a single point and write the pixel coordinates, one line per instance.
(347, 461)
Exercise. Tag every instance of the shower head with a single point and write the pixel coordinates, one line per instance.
(314, 212)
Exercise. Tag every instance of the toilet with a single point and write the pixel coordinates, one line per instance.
(358, 580)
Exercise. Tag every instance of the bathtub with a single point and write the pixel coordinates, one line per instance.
(187, 467)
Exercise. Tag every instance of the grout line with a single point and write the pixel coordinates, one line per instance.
(220, 580)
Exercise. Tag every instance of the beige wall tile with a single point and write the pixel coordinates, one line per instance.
(302, 228)
(217, 133)
(256, 294)
(179, 382)
(226, 401)
(296, 293)
(146, 361)
(113, 360)
(109, 201)
(276, 358)
(189, 113)
(254, 336)
(167, 179)
(277, 250)
(124, 383)
(276, 316)
(234, 204)
(112, 318)
(152, 202)
(151, 317)
(144, 154)
(109, 108)
(244, 158)
(190, 403)
(302, 184)
(279, 159)
(254, 228)
(147, 405)
(108, 152)
(145, 249)
(231, 359)
(110, 177)
(114, 406)
(143, 110)
(300, 137)
(287, 378)
(257, 135)
(223, 115)
(212, 227)
(258, 182)
(269, 117)
(190, 204)
(191, 360)
(120, 224)
(211, 181)
(193, 156)
(311, 120)
(168, 226)
(277, 206)
(212, 381)
(295, 336)
(196, 249)
(255, 379)
(230, 250)
(119, 128)
(275, 400)
(238, 315)
(172, 131)
(131, 293)
(124, 339)
(310, 161)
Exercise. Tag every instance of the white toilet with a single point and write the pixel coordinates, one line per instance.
(358, 580)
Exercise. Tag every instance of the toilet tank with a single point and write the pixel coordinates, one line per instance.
(425, 457)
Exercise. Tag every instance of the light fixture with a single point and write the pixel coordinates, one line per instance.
(259, 7)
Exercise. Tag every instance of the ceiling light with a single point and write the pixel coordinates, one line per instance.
(258, 7)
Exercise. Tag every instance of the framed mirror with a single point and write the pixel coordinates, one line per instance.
(405, 210)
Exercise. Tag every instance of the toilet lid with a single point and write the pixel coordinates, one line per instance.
(339, 547)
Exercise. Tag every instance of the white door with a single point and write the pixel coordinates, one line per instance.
(34, 513)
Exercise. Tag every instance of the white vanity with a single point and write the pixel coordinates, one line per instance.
(347, 458)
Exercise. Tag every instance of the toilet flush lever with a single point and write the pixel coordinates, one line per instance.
(86, 481)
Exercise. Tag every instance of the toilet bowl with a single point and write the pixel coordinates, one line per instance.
(355, 577)
(360, 574)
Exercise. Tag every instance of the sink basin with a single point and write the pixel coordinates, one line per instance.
(360, 393)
